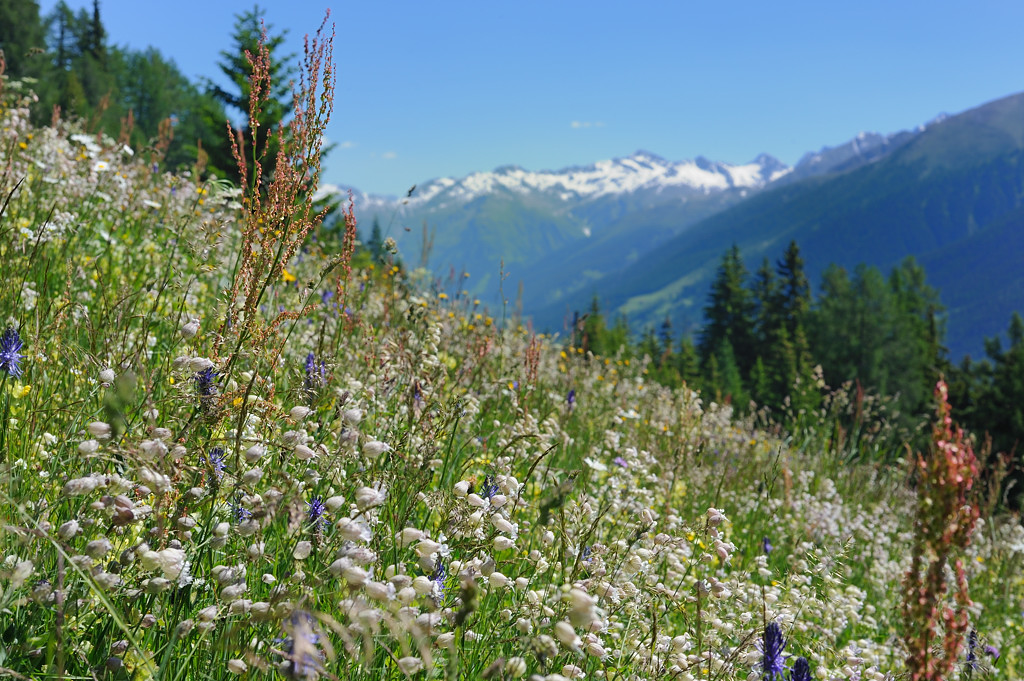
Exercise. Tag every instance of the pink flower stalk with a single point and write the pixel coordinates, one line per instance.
(944, 523)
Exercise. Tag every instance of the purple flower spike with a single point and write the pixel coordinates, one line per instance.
(206, 383)
(801, 670)
(10, 352)
(215, 458)
(315, 511)
(773, 661)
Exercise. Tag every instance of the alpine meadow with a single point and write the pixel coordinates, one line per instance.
(241, 437)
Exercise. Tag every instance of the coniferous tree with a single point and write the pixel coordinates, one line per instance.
(726, 380)
(22, 38)
(665, 336)
(650, 346)
(729, 315)
(375, 244)
(918, 355)
(615, 337)
(789, 357)
(688, 362)
(765, 293)
(886, 334)
(236, 67)
(793, 295)
(761, 385)
(1001, 402)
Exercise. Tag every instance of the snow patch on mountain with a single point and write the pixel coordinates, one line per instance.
(640, 171)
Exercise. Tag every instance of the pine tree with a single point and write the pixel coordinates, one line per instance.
(886, 334)
(665, 335)
(918, 356)
(765, 293)
(375, 244)
(729, 314)
(650, 346)
(688, 362)
(235, 65)
(761, 384)
(725, 379)
(998, 410)
(793, 296)
(22, 38)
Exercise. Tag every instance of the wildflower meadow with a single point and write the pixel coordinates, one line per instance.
(230, 450)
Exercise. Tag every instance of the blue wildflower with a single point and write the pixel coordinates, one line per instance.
(315, 511)
(10, 352)
(316, 374)
(215, 460)
(772, 658)
(585, 554)
(972, 645)
(801, 670)
(490, 487)
(992, 652)
(766, 545)
(619, 461)
(240, 512)
(305, 660)
(571, 399)
(205, 383)
(440, 572)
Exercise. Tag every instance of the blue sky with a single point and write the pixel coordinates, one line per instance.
(429, 89)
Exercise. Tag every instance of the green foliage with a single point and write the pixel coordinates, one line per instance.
(375, 244)
(885, 334)
(991, 396)
(729, 316)
(136, 96)
(22, 38)
(250, 31)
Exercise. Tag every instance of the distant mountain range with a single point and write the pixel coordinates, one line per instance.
(646, 234)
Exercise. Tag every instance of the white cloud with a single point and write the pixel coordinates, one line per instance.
(388, 155)
(347, 144)
(586, 124)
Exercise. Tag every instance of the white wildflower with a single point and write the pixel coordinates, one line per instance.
(375, 448)
(99, 430)
(567, 635)
(368, 497)
(410, 665)
(408, 536)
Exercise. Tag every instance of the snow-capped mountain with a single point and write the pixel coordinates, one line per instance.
(582, 222)
(639, 172)
(516, 216)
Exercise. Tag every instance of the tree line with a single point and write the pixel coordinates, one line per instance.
(139, 96)
(768, 340)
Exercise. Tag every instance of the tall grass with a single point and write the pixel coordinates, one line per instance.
(229, 452)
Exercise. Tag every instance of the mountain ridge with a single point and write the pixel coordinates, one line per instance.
(614, 227)
(937, 195)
